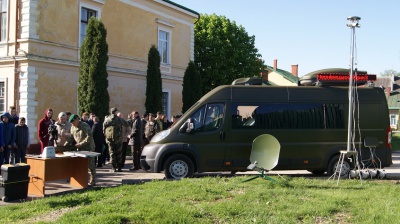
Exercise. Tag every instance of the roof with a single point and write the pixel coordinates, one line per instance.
(394, 99)
(289, 76)
(181, 6)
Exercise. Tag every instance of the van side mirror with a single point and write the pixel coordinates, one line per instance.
(187, 127)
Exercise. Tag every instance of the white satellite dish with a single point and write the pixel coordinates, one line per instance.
(265, 151)
(264, 155)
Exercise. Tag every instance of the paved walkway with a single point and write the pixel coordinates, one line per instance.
(105, 178)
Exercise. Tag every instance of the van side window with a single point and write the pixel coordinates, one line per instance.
(208, 117)
(287, 116)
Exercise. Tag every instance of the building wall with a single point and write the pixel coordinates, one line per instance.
(48, 59)
(279, 80)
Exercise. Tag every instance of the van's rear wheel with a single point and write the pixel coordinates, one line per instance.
(178, 166)
(333, 163)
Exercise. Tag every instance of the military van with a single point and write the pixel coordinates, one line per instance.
(310, 123)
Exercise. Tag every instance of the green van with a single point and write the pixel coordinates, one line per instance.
(310, 123)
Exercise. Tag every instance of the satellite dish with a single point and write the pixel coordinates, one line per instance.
(265, 151)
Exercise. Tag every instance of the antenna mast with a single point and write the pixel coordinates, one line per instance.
(353, 24)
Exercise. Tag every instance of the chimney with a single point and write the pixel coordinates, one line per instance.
(264, 75)
(275, 64)
(295, 70)
(388, 90)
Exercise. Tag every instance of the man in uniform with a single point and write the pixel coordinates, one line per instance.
(112, 128)
(159, 119)
(83, 136)
(151, 128)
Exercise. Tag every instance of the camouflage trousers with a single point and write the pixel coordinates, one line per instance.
(92, 171)
(115, 150)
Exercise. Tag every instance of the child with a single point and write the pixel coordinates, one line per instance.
(22, 140)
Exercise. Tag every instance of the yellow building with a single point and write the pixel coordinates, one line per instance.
(39, 53)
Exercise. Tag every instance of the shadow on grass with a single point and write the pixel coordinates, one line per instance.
(70, 203)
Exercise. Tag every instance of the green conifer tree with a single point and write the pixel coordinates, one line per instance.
(191, 87)
(154, 84)
(93, 77)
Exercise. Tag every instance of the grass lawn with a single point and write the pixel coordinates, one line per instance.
(219, 200)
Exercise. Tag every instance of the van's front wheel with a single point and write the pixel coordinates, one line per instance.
(178, 166)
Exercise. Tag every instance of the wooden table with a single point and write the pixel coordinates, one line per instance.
(49, 169)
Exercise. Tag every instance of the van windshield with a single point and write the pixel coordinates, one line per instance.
(209, 117)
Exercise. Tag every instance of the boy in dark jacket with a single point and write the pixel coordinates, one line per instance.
(13, 115)
(1, 144)
(22, 140)
(9, 137)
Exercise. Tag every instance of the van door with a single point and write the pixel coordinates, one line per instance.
(208, 136)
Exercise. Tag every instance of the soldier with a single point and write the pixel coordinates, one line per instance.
(159, 121)
(112, 128)
(83, 136)
(151, 128)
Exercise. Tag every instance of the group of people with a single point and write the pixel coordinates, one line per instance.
(110, 138)
(14, 137)
(135, 132)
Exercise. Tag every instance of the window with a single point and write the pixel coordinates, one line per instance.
(164, 46)
(2, 94)
(86, 14)
(287, 116)
(3, 22)
(393, 120)
(208, 117)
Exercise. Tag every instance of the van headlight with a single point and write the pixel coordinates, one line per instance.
(160, 136)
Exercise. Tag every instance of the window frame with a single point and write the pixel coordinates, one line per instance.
(201, 116)
(89, 7)
(3, 94)
(167, 61)
(393, 117)
(3, 24)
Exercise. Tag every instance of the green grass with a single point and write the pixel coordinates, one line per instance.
(219, 200)
(396, 141)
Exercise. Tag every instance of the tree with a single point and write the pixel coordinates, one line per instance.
(93, 77)
(154, 84)
(390, 72)
(224, 52)
(191, 91)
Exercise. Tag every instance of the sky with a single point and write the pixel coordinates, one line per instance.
(313, 34)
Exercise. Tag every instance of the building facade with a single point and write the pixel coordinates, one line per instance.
(39, 53)
(391, 84)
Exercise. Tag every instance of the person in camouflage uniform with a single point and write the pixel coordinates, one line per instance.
(151, 128)
(115, 143)
(82, 134)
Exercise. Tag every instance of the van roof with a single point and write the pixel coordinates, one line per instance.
(281, 94)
